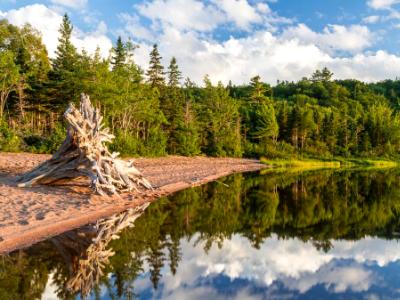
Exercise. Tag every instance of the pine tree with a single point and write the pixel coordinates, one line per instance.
(66, 78)
(119, 54)
(174, 74)
(66, 55)
(267, 128)
(322, 76)
(155, 73)
(258, 90)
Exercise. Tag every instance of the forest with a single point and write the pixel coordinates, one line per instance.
(157, 111)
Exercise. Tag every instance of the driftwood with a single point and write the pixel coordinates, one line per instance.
(86, 249)
(84, 154)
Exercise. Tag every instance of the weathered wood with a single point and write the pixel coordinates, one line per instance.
(86, 250)
(84, 154)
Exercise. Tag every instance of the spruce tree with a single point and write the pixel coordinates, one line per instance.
(174, 74)
(119, 54)
(258, 90)
(155, 73)
(66, 55)
(66, 78)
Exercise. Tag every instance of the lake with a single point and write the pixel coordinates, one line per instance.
(326, 234)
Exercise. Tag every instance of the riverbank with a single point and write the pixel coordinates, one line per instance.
(337, 162)
(29, 215)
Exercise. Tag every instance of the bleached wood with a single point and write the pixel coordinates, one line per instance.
(87, 252)
(84, 154)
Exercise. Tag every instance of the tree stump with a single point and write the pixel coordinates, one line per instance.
(84, 154)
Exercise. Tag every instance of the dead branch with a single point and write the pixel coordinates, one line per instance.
(84, 154)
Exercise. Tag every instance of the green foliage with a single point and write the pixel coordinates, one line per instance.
(66, 54)
(119, 55)
(174, 74)
(220, 121)
(155, 73)
(316, 117)
(45, 144)
(9, 140)
(9, 77)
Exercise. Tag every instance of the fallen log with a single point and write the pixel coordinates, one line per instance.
(84, 154)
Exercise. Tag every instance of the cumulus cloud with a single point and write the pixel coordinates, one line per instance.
(187, 32)
(382, 4)
(353, 38)
(205, 17)
(241, 12)
(48, 21)
(339, 279)
(76, 4)
(42, 18)
(290, 263)
(186, 29)
(287, 57)
(182, 14)
(133, 27)
(371, 19)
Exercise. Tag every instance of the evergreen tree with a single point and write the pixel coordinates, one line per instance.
(119, 54)
(267, 127)
(66, 54)
(323, 75)
(174, 74)
(66, 77)
(258, 90)
(155, 73)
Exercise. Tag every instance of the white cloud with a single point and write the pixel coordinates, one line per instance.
(285, 57)
(382, 4)
(76, 4)
(339, 279)
(47, 21)
(42, 18)
(299, 266)
(185, 29)
(263, 8)
(90, 41)
(241, 12)
(182, 14)
(197, 15)
(132, 27)
(371, 19)
(354, 38)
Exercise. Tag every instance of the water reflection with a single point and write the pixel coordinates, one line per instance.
(330, 234)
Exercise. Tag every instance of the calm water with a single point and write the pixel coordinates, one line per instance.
(311, 235)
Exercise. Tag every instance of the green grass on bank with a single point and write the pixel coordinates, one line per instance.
(338, 162)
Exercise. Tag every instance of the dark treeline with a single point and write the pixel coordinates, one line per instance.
(314, 207)
(155, 112)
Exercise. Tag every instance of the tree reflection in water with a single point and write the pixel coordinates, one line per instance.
(316, 207)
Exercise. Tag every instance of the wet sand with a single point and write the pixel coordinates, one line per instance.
(30, 215)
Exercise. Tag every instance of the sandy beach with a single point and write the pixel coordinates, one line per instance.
(29, 215)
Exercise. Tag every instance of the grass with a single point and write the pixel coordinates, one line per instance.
(337, 162)
(296, 163)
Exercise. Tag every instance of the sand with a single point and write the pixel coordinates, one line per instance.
(30, 215)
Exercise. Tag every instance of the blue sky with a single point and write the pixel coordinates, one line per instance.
(234, 39)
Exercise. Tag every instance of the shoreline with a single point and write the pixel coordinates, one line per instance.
(31, 215)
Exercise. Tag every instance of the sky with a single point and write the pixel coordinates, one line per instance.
(233, 39)
(281, 269)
